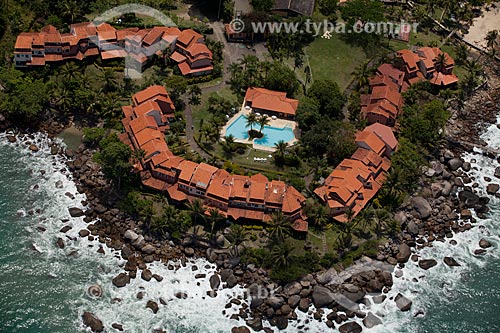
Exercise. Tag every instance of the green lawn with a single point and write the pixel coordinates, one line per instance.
(334, 59)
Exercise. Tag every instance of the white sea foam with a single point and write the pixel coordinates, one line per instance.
(442, 281)
(197, 313)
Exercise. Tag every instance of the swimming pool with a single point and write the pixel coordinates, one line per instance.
(272, 135)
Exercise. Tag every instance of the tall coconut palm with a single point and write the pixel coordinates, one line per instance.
(281, 147)
(462, 51)
(196, 210)
(280, 227)
(362, 74)
(228, 144)
(263, 121)
(281, 255)
(237, 236)
(214, 219)
(441, 62)
(251, 120)
(491, 41)
(110, 81)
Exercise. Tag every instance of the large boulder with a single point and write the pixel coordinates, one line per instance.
(327, 277)
(422, 206)
(146, 275)
(351, 327)
(450, 262)
(148, 249)
(130, 235)
(468, 198)
(404, 253)
(121, 280)
(427, 263)
(292, 288)
(153, 306)
(75, 212)
(492, 188)
(241, 329)
(484, 244)
(322, 296)
(90, 320)
(497, 172)
(371, 320)
(455, 163)
(214, 282)
(403, 303)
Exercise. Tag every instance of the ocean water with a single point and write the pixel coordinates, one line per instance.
(46, 289)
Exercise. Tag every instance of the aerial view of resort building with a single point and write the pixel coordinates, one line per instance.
(249, 166)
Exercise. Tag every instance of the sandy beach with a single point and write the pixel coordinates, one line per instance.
(490, 20)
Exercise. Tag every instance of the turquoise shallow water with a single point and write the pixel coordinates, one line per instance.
(44, 289)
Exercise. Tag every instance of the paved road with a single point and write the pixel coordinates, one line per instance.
(231, 52)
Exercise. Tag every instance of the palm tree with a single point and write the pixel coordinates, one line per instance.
(214, 219)
(263, 121)
(281, 147)
(362, 74)
(69, 71)
(228, 144)
(320, 216)
(237, 236)
(110, 80)
(196, 210)
(139, 155)
(195, 92)
(441, 62)
(281, 255)
(280, 227)
(251, 120)
(491, 41)
(462, 51)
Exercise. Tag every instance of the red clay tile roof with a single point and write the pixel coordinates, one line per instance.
(387, 93)
(24, 40)
(149, 93)
(410, 59)
(392, 72)
(276, 101)
(368, 139)
(188, 36)
(300, 225)
(385, 133)
(444, 80)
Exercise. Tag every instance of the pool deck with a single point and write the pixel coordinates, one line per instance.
(278, 123)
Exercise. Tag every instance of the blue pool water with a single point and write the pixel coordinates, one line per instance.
(272, 135)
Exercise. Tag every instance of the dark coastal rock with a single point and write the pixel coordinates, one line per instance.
(121, 280)
(304, 304)
(327, 277)
(83, 233)
(34, 148)
(403, 303)
(293, 301)
(455, 164)
(181, 295)
(371, 320)
(350, 327)
(75, 212)
(241, 329)
(11, 138)
(214, 282)
(189, 251)
(153, 306)
(118, 327)
(404, 253)
(59, 184)
(146, 275)
(130, 235)
(492, 188)
(427, 263)
(497, 172)
(322, 296)
(451, 262)
(469, 198)
(148, 249)
(255, 324)
(484, 244)
(157, 277)
(422, 206)
(60, 243)
(479, 252)
(65, 229)
(90, 320)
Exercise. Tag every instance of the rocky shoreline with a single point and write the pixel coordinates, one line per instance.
(442, 206)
